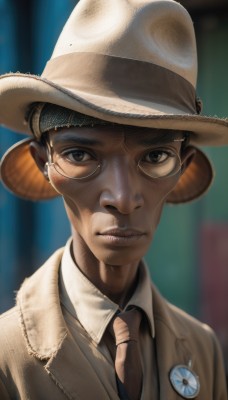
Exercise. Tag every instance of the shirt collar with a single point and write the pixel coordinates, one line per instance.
(92, 308)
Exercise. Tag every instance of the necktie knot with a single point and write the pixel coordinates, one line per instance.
(126, 326)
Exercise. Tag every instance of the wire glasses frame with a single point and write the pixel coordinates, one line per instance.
(83, 170)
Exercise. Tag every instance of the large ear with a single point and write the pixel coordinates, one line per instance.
(187, 155)
(40, 155)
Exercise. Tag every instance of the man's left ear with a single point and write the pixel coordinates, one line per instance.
(187, 156)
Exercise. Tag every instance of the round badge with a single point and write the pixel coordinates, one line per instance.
(185, 381)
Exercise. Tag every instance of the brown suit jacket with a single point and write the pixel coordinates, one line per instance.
(39, 360)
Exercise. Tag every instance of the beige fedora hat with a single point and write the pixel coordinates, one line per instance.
(130, 62)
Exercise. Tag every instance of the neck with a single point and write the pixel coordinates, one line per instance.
(117, 282)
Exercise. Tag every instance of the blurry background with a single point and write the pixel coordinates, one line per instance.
(189, 256)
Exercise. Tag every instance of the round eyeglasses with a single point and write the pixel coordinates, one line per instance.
(76, 163)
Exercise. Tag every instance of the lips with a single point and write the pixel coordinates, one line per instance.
(121, 232)
(121, 237)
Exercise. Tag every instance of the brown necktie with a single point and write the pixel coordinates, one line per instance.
(127, 362)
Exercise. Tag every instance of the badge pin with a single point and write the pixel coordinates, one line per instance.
(185, 381)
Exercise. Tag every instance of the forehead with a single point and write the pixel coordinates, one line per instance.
(114, 134)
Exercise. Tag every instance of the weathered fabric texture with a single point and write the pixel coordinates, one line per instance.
(41, 359)
(45, 116)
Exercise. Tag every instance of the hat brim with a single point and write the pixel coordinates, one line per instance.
(18, 91)
(21, 175)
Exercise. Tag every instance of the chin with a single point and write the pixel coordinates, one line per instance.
(120, 257)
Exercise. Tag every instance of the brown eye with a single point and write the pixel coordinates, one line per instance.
(77, 155)
(159, 163)
(156, 156)
(76, 163)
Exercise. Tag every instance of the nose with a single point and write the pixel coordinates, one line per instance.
(122, 189)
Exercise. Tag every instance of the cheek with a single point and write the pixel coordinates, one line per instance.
(78, 210)
(168, 184)
(70, 189)
(76, 199)
(61, 184)
(157, 193)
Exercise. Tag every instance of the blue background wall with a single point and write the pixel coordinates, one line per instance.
(30, 232)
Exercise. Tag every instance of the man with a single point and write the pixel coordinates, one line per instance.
(114, 121)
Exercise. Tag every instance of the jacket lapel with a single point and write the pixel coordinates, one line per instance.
(82, 384)
(41, 318)
(48, 338)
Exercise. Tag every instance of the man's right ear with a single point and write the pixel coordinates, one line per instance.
(40, 156)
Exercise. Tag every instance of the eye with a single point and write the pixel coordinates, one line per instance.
(157, 156)
(159, 163)
(77, 155)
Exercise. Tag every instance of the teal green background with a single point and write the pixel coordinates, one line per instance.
(174, 255)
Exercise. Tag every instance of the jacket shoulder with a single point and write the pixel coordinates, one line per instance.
(9, 318)
(188, 321)
(13, 350)
(198, 336)
(177, 320)
(10, 331)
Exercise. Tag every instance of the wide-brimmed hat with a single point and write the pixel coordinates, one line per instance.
(123, 61)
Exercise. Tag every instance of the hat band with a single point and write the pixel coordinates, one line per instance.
(109, 76)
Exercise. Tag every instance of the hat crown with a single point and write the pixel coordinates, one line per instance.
(156, 31)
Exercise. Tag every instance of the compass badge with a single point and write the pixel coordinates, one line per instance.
(185, 381)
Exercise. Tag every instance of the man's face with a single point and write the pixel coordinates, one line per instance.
(114, 212)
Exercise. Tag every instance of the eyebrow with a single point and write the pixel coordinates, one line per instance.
(78, 140)
(158, 140)
(160, 137)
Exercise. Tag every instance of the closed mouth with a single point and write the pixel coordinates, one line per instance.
(121, 232)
